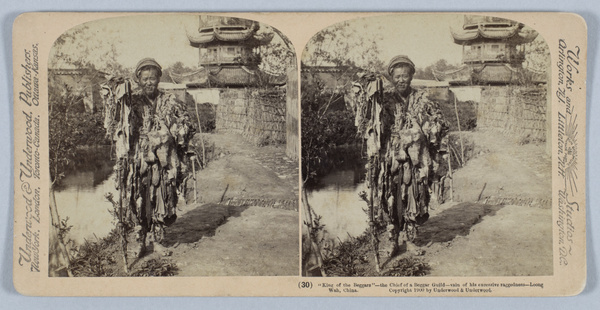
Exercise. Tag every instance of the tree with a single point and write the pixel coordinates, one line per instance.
(345, 49)
(279, 55)
(537, 55)
(82, 48)
(69, 127)
(344, 45)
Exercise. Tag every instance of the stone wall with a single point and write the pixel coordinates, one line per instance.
(516, 110)
(258, 115)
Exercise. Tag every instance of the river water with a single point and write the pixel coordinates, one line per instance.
(335, 196)
(80, 196)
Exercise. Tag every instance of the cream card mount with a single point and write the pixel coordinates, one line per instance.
(222, 154)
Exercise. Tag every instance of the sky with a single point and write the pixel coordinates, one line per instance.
(424, 38)
(162, 37)
(135, 37)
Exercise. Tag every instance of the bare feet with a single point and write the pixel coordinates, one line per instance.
(414, 249)
(160, 249)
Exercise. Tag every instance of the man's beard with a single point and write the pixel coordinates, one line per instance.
(402, 88)
(149, 90)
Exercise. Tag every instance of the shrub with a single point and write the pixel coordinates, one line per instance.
(323, 127)
(467, 113)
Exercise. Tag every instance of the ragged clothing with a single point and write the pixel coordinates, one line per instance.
(417, 141)
(151, 138)
(406, 138)
(160, 132)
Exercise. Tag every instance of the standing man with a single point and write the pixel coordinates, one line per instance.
(162, 129)
(406, 138)
(151, 131)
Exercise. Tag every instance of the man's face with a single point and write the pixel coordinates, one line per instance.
(149, 81)
(402, 76)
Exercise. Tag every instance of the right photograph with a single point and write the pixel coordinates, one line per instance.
(425, 147)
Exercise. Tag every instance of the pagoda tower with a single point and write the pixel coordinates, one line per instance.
(227, 52)
(493, 51)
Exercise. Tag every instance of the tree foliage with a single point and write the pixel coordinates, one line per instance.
(277, 56)
(344, 46)
(82, 48)
(323, 129)
(537, 55)
(61, 144)
(326, 123)
(70, 126)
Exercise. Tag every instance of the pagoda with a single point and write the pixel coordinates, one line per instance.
(493, 52)
(227, 53)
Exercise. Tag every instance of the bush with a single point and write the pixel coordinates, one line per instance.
(70, 128)
(204, 148)
(467, 113)
(104, 258)
(205, 116)
(459, 159)
(323, 127)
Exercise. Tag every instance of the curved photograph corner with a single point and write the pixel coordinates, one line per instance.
(426, 148)
(165, 133)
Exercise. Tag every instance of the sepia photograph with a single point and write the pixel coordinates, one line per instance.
(426, 143)
(173, 148)
(313, 154)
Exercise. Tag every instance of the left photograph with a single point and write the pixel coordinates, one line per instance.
(173, 147)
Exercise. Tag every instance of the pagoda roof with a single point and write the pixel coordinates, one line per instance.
(494, 31)
(461, 75)
(229, 33)
(497, 74)
(195, 77)
(232, 76)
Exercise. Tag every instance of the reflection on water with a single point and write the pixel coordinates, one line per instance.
(336, 199)
(80, 197)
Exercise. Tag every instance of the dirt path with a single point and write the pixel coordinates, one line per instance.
(509, 231)
(511, 172)
(243, 171)
(505, 241)
(245, 221)
(501, 229)
(256, 242)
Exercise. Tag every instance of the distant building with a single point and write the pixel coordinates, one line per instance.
(436, 90)
(493, 52)
(227, 57)
(81, 82)
(510, 99)
(334, 78)
(229, 78)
